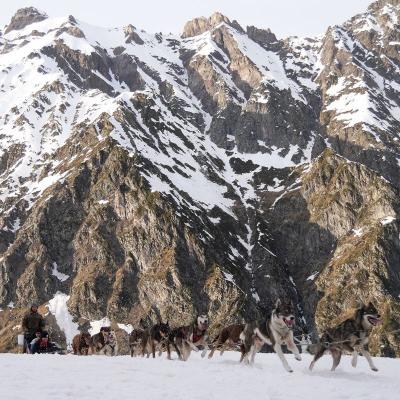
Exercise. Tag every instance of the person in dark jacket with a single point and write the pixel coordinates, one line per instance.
(32, 323)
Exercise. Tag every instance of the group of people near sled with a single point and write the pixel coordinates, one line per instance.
(36, 338)
(276, 330)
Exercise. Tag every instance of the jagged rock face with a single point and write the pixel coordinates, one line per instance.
(359, 82)
(132, 36)
(200, 25)
(23, 18)
(156, 176)
(261, 36)
(334, 214)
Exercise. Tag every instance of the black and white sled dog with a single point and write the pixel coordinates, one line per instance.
(350, 336)
(277, 330)
(111, 346)
(158, 336)
(191, 337)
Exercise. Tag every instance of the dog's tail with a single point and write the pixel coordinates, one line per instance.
(315, 348)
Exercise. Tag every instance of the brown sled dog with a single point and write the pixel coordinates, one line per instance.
(227, 339)
(139, 343)
(81, 344)
(350, 336)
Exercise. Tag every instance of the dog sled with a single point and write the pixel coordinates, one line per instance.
(39, 343)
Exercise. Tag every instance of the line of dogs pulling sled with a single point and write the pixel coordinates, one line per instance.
(104, 342)
(350, 336)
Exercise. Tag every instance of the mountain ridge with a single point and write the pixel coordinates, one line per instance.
(216, 171)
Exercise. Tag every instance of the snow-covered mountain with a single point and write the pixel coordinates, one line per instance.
(149, 175)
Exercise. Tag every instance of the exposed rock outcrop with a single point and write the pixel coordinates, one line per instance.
(157, 176)
(23, 18)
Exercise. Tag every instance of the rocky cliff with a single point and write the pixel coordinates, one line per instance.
(158, 176)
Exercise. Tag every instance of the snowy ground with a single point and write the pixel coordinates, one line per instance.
(53, 377)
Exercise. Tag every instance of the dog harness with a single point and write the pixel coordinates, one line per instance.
(197, 335)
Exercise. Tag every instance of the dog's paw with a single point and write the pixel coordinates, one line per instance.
(288, 368)
(375, 369)
(203, 354)
(298, 357)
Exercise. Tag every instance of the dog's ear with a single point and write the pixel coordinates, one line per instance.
(360, 304)
(278, 303)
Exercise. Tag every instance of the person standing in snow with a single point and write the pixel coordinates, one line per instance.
(32, 323)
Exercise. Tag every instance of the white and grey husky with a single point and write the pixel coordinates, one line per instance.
(277, 330)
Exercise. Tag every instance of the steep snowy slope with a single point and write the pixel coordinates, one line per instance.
(149, 175)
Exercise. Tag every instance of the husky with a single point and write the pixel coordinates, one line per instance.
(99, 339)
(275, 331)
(157, 337)
(81, 343)
(228, 338)
(137, 338)
(187, 338)
(110, 347)
(351, 336)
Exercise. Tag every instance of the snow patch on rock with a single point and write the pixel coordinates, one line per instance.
(387, 220)
(95, 326)
(127, 328)
(59, 308)
(59, 275)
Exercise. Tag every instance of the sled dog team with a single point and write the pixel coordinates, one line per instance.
(276, 331)
(104, 342)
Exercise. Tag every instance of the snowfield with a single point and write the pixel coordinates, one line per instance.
(56, 377)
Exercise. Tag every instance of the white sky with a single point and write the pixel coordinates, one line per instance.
(283, 17)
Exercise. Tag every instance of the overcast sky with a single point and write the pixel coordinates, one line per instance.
(284, 17)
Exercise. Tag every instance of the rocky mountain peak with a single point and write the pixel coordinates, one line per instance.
(199, 25)
(383, 3)
(261, 36)
(384, 6)
(217, 18)
(131, 35)
(24, 17)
